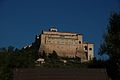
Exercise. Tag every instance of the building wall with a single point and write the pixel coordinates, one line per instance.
(65, 44)
(89, 49)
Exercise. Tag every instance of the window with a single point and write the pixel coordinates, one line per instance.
(86, 54)
(79, 42)
(85, 47)
(90, 48)
(62, 36)
(76, 42)
(61, 47)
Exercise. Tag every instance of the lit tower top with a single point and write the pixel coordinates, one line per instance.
(53, 29)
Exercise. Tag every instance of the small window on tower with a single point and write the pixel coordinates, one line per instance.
(86, 54)
(79, 42)
(90, 48)
(85, 47)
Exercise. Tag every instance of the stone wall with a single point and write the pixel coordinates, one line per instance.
(65, 44)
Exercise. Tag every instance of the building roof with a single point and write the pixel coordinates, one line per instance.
(57, 32)
(60, 74)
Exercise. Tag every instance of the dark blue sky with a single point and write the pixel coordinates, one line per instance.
(21, 20)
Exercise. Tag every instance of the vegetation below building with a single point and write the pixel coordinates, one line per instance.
(11, 58)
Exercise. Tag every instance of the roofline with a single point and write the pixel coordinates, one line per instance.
(65, 32)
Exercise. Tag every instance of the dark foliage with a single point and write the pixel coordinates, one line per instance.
(97, 63)
(11, 58)
(111, 46)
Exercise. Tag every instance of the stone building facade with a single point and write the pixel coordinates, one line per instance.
(65, 44)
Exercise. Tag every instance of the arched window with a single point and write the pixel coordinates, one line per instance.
(85, 47)
(79, 42)
(86, 54)
(90, 48)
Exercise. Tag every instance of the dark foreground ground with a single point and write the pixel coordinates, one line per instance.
(60, 74)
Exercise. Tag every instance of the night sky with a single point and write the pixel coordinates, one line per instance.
(21, 20)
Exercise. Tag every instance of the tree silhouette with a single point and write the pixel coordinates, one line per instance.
(111, 46)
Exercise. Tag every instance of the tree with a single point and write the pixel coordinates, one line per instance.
(53, 57)
(43, 55)
(111, 46)
(97, 63)
(11, 58)
(6, 63)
